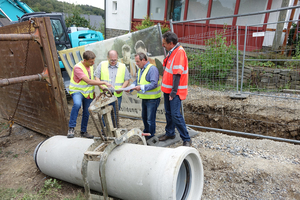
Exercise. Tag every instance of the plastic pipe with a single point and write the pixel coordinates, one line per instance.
(132, 171)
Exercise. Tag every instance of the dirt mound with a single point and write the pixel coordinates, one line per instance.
(255, 114)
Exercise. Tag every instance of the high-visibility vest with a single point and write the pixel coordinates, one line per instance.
(150, 94)
(120, 78)
(82, 87)
(176, 63)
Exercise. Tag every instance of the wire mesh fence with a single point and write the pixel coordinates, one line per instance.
(243, 79)
(272, 69)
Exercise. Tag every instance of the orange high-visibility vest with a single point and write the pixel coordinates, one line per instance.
(176, 63)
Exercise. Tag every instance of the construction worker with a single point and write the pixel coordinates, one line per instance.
(115, 73)
(148, 89)
(82, 91)
(175, 87)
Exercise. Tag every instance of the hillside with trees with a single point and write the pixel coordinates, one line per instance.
(58, 6)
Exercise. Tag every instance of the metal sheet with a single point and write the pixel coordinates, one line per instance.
(43, 106)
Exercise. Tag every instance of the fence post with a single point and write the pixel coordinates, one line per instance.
(237, 59)
(245, 44)
(171, 25)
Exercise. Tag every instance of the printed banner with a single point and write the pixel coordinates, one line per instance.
(147, 41)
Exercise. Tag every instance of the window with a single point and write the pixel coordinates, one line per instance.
(60, 37)
(157, 10)
(249, 7)
(140, 9)
(222, 8)
(176, 10)
(197, 9)
(115, 7)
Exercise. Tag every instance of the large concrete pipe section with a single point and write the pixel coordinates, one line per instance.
(133, 172)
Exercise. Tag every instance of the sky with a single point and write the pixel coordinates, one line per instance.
(95, 3)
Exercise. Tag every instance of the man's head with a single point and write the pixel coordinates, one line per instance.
(126, 52)
(140, 60)
(112, 57)
(169, 40)
(140, 47)
(88, 58)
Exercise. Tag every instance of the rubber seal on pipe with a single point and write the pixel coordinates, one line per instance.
(188, 179)
(35, 153)
(183, 181)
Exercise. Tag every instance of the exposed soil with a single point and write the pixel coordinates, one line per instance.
(264, 115)
(234, 167)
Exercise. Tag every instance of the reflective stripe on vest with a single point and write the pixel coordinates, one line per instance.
(170, 86)
(82, 87)
(120, 77)
(150, 94)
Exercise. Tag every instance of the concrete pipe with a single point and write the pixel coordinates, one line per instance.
(133, 172)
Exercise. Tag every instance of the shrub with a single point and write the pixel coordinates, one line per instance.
(294, 64)
(146, 23)
(218, 58)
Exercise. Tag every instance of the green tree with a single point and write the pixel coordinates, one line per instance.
(75, 19)
(58, 6)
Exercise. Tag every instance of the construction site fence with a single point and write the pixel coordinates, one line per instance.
(243, 80)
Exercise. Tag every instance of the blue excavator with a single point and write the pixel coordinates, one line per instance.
(17, 11)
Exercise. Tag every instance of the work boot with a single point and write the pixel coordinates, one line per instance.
(71, 132)
(166, 137)
(86, 135)
(187, 143)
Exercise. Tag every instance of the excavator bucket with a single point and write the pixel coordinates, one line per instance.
(27, 49)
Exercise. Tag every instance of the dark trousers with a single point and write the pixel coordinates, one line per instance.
(149, 108)
(174, 118)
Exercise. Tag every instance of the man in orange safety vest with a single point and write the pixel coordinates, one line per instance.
(175, 88)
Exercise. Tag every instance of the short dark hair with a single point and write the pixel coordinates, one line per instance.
(139, 44)
(126, 48)
(87, 55)
(170, 37)
(141, 56)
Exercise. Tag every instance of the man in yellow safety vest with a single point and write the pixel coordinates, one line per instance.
(82, 91)
(147, 86)
(115, 73)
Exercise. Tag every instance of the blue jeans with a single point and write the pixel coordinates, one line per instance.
(174, 118)
(114, 106)
(78, 100)
(149, 108)
(119, 104)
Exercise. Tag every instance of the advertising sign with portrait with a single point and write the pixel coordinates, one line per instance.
(148, 41)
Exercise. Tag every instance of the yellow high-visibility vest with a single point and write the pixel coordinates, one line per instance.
(82, 87)
(150, 94)
(120, 78)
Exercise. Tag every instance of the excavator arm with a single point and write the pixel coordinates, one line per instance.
(14, 9)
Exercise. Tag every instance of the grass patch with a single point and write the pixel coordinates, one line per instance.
(50, 190)
(3, 126)
(10, 193)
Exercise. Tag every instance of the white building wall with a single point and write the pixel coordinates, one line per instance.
(119, 18)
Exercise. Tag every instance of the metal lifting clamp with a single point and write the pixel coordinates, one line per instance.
(110, 137)
(102, 112)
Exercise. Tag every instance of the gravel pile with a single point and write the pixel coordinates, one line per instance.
(247, 148)
(242, 168)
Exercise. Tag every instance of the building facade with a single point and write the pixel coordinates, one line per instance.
(122, 16)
